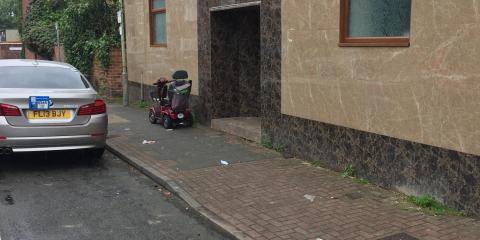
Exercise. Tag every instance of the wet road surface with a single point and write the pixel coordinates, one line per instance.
(67, 196)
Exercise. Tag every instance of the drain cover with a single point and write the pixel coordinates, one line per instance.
(400, 236)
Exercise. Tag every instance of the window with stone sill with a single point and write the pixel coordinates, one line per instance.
(158, 23)
(381, 23)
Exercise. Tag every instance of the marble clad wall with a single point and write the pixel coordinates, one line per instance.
(450, 176)
(328, 103)
(428, 93)
(146, 63)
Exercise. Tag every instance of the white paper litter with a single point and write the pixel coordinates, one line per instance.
(309, 197)
(223, 162)
(148, 142)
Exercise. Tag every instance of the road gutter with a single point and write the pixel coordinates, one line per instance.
(210, 218)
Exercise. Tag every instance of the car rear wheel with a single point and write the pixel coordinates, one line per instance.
(96, 154)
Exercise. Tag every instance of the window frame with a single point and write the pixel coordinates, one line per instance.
(152, 12)
(346, 41)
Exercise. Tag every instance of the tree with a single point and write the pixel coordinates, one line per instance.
(8, 13)
(88, 29)
(38, 31)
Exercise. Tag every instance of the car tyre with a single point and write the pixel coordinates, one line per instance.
(151, 117)
(96, 154)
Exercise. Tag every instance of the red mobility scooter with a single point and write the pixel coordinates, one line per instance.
(171, 102)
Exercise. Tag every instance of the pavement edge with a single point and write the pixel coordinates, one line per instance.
(210, 218)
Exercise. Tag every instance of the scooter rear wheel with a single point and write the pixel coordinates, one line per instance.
(151, 117)
(189, 121)
(167, 122)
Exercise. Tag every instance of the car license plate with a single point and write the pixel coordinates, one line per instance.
(49, 114)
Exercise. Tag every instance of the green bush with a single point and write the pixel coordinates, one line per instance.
(348, 171)
(267, 142)
(39, 38)
(142, 104)
(363, 181)
(88, 29)
(431, 205)
(279, 147)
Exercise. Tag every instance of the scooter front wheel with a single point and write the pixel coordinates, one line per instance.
(167, 122)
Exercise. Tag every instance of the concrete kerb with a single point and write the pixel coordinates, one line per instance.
(210, 218)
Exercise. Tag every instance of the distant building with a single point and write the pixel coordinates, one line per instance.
(13, 35)
(10, 44)
(9, 35)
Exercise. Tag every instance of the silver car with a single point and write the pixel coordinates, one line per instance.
(49, 106)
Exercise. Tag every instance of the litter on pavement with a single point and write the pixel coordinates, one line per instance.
(224, 163)
(148, 142)
(309, 197)
(167, 193)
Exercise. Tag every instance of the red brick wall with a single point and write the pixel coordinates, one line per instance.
(6, 53)
(109, 82)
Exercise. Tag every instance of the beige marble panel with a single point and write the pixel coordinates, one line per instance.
(427, 93)
(146, 63)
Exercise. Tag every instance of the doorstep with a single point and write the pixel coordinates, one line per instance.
(245, 127)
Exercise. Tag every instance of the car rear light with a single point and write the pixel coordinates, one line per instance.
(9, 110)
(98, 107)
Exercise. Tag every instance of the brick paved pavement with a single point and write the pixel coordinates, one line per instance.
(265, 198)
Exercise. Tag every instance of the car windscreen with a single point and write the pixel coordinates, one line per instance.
(41, 77)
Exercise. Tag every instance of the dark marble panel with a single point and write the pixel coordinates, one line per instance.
(235, 63)
(224, 65)
(271, 60)
(249, 62)
(451, 176)
(448, 175)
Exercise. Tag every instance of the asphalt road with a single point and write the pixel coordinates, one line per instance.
(66, 196)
